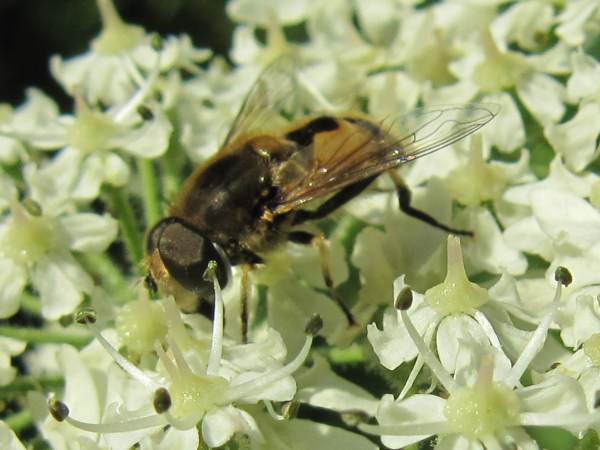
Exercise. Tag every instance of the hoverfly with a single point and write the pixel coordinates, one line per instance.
(250, 196)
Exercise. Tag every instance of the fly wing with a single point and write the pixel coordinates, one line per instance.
(365, 149)
(271, 102)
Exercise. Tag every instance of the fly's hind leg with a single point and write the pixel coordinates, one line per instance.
(304, 237)
(404, 199)
(334, 202)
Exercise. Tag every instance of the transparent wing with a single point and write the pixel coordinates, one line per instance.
(271, 102)
(368, 148)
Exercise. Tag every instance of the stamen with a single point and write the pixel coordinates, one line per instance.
(559, 420)
(86, 318)
(119, 427)
(411, 377)
(487, 328)
(538, 338)
(323, 103)
(167, 363)
(182, 364)
(174, 322)
(271, 410)
(428, 356)
(139, 97)
(216, 345)
(409, 429)
(247, 387)
(60, 411)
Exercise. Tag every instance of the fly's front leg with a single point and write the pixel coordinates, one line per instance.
(404, 199)
(318, 241)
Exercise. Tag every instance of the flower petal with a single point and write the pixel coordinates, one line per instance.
(89, 232)
(219, 425)
(61, 283)
(12, 282)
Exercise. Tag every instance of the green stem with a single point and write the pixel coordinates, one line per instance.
(19, 421)
(31, 304)
(130, 229)
(150, 191)
(350, 355)
(172, 170)
(77, 338)
(108, 274)
(24, 384)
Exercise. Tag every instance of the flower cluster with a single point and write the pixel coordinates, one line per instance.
(91, 360)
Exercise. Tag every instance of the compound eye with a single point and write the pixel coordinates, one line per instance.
(185, 252)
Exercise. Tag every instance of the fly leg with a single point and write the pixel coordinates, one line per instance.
(244, 296)
(318, 241)
(404, 199)
(333, 203)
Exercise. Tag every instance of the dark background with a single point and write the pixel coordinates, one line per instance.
(33, 30)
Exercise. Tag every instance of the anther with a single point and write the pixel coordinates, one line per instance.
(58, 409)
(162, 400)
(404, 299)
(32, 207)
(85, 316)
(156, 42)
(210, 271)
(145, 112)
(314, 325)
(563, 276)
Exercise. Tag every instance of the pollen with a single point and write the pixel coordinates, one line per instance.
(193, 395)
(483, 410)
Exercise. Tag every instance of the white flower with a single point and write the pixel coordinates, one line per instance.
(576, 139)
(87, 141)
(192, 385)
(459, 316)
(579, 18)
(109, 72)
(564, 230)
(488, 412)
(36, 246)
